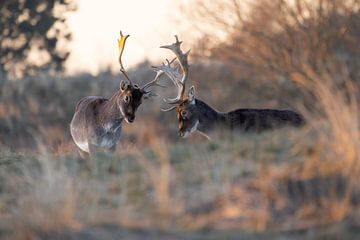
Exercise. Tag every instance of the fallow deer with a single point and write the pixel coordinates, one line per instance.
(194, 114)
(97, 121)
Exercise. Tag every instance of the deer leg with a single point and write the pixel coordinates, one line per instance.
(113, 148)
(93, 151)
(84, 155)
(112, 168)
(85, 159)
(93, 154)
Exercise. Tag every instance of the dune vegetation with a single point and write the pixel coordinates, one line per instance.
(297, 183)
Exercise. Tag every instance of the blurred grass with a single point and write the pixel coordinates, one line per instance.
(284, 184)
(247, 182)
(286, 181)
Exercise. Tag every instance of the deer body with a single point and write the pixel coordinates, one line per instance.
(200, 116)
(94, 125)
(97, 121)
(194, 114)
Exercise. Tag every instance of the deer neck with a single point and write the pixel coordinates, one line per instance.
(109, 111)
(208, 117)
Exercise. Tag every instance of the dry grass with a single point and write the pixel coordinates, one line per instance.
(289, 181)
(285, 180)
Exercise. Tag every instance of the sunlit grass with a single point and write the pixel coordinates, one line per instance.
(290, 179)
(285, 179)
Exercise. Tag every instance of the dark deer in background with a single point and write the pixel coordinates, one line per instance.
(194, 114)
(97, 120)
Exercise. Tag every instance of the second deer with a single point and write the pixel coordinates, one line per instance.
(97, 120)
(195, 115)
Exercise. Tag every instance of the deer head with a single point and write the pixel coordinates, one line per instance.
(188, 114)
(131, 94)
(185, 106)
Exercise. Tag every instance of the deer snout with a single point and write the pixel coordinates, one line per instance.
(131, 118)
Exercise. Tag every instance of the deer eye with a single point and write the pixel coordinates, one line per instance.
(126, 99)
(184, 115)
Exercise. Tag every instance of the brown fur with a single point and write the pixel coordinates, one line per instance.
(97, 121)
(207, 119)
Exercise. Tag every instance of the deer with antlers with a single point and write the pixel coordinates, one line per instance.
(194, 114)
(97, 120)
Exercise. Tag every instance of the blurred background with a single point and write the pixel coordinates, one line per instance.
(289, 183)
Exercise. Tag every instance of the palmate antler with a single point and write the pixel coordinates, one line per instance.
(159, 73)
(173, 73)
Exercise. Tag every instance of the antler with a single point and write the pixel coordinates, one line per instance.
(173, 72)
(159, 73)
(121, 45)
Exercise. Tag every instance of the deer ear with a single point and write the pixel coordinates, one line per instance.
(123, 85)
(191, 95)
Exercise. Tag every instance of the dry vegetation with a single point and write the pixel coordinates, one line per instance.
(298, 183)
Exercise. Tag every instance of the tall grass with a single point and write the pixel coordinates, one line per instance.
(284, 180)
(288, 179)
